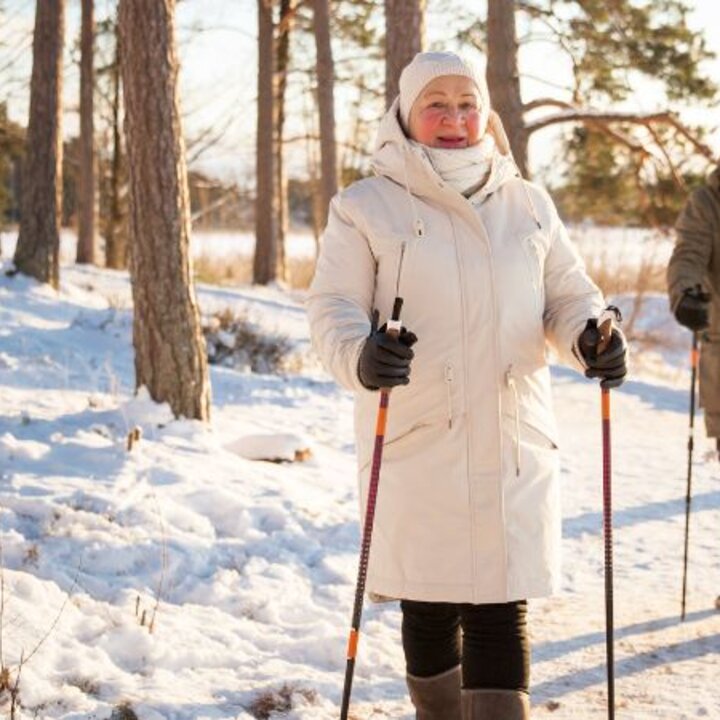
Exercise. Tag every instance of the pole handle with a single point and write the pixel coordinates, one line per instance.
(394, 326)
(605, 324)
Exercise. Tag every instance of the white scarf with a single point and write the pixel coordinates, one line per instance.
(465, 169)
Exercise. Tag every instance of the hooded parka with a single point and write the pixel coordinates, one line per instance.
(696, 261)
(468, 506)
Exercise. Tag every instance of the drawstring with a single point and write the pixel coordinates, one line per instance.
(510, 382)
(418, 224)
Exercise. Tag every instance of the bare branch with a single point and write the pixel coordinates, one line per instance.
(208, 138)
(546, 102)
(604, 119)
(701, 147)
(582, 115)
(622, 138)
(222, 200)
(659, 142)
(545, 81)
(362, 150)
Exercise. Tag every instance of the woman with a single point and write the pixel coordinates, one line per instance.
(467, 525)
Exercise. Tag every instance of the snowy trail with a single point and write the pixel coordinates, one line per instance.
(256, 561)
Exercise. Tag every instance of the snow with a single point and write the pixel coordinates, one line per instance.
(245, 569)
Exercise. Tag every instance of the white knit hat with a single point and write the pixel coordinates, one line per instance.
(426, 66)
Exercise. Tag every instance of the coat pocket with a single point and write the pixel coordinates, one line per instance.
(393, 445)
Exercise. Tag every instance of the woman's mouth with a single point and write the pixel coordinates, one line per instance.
(451, 142)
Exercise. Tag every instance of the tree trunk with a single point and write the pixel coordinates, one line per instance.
(404, 37)
(265, 261)
(283, 60)
(38, 246)
(503, 77)
(170, 355)
(87, 195)
(116, 234)
(326, 104)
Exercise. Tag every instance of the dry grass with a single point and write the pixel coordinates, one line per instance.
(636, 278)
(269, 702)
(648, 276)
(238, 270)
(234, 341)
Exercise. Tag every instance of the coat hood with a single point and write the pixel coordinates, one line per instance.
(396, 158)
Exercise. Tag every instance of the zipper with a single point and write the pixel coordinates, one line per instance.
(448, 384)
(510, 382)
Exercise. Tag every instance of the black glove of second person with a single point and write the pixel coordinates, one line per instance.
(385, 360)
(693, 310)
(611, 364)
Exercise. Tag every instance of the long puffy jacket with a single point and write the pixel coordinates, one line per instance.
(696, 261)
(468, 507)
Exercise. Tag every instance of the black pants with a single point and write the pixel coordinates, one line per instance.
(489, 640)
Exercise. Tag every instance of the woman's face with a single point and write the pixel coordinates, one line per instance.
(446, 113)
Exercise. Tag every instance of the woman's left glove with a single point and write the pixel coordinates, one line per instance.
(611, 363)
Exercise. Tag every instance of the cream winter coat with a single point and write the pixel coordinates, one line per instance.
(468, 505)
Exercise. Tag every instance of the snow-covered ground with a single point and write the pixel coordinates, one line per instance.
(246, 569)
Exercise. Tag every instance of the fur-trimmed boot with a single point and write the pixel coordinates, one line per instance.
(437, 697)
(495, 705)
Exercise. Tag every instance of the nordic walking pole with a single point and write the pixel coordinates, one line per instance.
(694, 355)
(393, 328)
(605, 329)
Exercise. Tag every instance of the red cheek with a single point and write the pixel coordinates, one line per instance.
(427, 124)
(473, 125)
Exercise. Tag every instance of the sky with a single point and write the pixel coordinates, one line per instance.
(217, 40)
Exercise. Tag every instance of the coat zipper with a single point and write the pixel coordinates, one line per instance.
(448, 384)
(510, 382)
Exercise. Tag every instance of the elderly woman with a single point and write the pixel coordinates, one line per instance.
(467, 525)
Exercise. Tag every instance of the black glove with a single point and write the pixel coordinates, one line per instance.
(385, 360)
(693, 310)
(611, 364)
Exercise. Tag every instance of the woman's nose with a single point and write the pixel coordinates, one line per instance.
(454, 115)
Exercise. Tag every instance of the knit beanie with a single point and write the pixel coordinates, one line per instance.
(426, 66)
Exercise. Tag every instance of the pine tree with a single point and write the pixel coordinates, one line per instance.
(170, 354)
(613, 46)
(38, 246)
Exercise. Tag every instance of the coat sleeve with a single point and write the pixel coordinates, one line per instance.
(690, 260)
(340, 298)
(571, 297)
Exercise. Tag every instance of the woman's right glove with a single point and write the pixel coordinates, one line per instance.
(611, 363)
(693, 310)
(385, 359)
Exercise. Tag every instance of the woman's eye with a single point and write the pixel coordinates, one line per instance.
(469, 106)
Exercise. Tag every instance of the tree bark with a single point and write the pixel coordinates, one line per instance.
(266, 208)
(38, 246)
(504, 79)
(283, 60)
(326, 105)
(116, 234)
(87, 192)
(404, 37)
(170, 355)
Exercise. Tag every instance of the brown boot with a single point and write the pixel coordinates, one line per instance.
(495, 705)
(436, 697)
